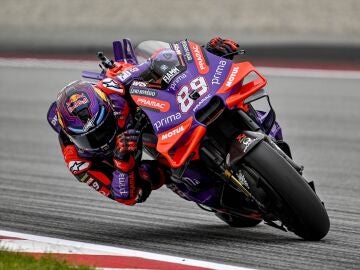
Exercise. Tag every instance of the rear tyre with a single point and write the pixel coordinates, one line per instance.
(300, 209)
(237, 221)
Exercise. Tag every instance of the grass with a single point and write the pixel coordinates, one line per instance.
(19, 261)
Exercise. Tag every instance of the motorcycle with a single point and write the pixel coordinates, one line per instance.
(199, 118)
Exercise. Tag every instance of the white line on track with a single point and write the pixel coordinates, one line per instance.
(47, 244)
(93, 65)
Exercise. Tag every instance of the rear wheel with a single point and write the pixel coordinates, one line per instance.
(298, 207)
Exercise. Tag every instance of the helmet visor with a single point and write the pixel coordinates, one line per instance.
(98, 138)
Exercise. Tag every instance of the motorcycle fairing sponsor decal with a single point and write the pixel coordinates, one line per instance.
(171, 74)
(168, 138)
(234, 76)
(245, 141)
(176, 48)
(78, 166)
(176, 81)
(185, 47)
(151, 103)
(113, 85)
(199, 57)
(142, 92)
(124, 76)
(76, 100)
(163, 122)
(220, 69)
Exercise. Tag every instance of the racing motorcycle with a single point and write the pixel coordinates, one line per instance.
(199, 118)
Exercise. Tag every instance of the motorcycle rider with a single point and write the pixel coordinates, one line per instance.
(96, 131)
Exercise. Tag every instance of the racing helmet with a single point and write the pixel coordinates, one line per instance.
(87, 117)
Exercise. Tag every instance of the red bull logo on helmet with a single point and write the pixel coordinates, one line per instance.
(75, 101)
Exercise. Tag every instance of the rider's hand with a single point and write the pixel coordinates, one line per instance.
(126, 142)
(221, 46)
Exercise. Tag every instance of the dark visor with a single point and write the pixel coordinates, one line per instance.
(99, 137)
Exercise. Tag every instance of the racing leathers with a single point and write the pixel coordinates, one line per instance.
(114, 173)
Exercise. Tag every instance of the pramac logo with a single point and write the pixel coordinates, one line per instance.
(152, 103)
(200, 61)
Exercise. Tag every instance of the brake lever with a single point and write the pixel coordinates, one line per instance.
(238, 52)
(106, 62)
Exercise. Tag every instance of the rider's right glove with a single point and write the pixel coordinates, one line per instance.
(222, 47)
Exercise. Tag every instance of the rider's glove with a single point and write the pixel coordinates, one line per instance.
(222, 47)
(125, 186)
(126, 143)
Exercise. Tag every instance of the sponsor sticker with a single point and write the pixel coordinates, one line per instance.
(187, 52)
(173, 132)
(234, 71)
(123, 76)
(75, 101)
(201, 102)
(77, 166)
(151, 103)
(170, 74)
(246, 141)
(112, 85)
(218, 72)
(176, 81)
(200, 61)
(143, 92)
(167, 120)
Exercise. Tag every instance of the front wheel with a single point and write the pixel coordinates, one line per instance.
(299, 207)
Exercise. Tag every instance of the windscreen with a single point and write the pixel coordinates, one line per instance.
(163, 59)
(147, 48)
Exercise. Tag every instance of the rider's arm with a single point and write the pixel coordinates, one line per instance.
(94, 174)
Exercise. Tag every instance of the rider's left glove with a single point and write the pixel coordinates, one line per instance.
(124, 187)
(222, 47)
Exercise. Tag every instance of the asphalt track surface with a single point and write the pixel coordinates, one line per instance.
(320, 119)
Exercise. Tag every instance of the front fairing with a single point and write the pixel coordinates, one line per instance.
(172, 100)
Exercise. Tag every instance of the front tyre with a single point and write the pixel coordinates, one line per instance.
(300, 209)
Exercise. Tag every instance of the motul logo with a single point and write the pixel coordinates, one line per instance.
(173, 132)
(233, 74)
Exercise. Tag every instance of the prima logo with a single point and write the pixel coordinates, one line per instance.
(177, 80)
(167, 120)
(218, 72)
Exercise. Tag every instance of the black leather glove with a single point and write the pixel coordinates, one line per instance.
(222, 47)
